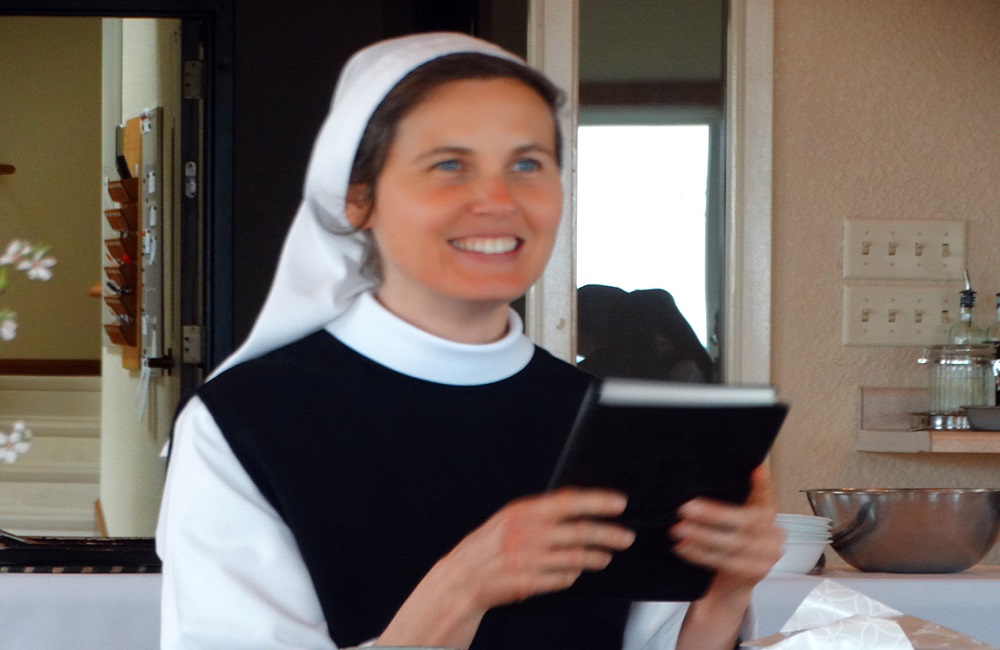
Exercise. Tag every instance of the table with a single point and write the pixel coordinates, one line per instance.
(48, 611)
(101, 611)
(968, 602)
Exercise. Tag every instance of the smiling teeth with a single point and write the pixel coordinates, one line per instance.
(488, 245)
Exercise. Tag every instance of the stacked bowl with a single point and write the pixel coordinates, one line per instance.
(805, 539)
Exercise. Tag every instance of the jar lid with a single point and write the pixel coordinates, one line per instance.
(974, 354)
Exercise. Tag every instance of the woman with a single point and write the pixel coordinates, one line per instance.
(369, 466)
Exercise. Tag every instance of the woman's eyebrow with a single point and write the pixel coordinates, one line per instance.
(534, 147)
(444, 150)
(456, 150)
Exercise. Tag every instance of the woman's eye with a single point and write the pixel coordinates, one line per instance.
(449, 165)
(527, 165)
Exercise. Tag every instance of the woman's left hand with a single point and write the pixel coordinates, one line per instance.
(739, 542)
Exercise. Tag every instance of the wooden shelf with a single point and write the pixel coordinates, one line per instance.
(926, 441)
(886, 415)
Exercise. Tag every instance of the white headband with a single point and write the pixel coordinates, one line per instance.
(319, 272)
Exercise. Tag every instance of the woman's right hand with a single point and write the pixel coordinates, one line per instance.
(539, 544)
(531, 546)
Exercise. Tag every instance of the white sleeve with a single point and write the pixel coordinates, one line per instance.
(233, 576)
(654, 625)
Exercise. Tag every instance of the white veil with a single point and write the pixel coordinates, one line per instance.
(319, 272)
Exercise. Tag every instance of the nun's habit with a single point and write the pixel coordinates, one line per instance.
(341, 451)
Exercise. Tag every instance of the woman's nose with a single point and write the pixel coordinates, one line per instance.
(494, 196)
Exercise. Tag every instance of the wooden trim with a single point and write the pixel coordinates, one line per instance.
(51, 367)
(702, 93)
(99, 522)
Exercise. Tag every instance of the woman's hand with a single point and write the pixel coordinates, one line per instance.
(741, 544)
(540, 544)
(531, 546)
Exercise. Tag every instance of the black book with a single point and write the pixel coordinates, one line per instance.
(662, 444)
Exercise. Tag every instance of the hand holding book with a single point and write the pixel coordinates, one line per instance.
(663, 444)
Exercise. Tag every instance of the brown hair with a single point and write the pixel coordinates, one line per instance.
(408, 93)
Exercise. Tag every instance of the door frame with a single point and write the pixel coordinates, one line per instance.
(217, 18)
(553, 46)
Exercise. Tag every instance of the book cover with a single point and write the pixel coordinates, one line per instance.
(662, 444)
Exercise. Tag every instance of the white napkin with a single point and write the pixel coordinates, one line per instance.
(833, 617)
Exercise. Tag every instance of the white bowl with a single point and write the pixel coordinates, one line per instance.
(807, 537)
(802, 528)
(795, 525)
(802, 520)
(799, 557)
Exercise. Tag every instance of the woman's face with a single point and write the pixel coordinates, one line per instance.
(469, 198)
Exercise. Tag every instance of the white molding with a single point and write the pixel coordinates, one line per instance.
(747, 324)
(46, 425)
(550, 305)
(81, 384)
(47, 472)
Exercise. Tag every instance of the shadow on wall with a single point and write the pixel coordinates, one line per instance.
(639, 334)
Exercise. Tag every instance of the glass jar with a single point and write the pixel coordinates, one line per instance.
(960, 375)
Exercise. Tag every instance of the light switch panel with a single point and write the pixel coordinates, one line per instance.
(897, 315)
(904, 249)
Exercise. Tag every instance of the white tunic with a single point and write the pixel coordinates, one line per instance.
(232, 573)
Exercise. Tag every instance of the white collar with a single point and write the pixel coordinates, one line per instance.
(370, 329)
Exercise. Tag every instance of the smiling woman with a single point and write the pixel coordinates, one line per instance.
(470, 168)
(464, 213)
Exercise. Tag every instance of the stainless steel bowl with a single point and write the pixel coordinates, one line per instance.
(910, 530)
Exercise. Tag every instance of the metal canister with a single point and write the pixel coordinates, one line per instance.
(961, 375)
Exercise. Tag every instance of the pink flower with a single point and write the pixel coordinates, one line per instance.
(15, 443)
(38, 265)
(8, 326)
(15, 250)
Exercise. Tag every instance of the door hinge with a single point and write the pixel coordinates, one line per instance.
(191, 352)
(190, 179)
(193, 79)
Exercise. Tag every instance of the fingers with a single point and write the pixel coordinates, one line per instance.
(580, 517)
(589, 534)
(539, 544)
(759, 508)
(741, 542)
(579, 502)
(761, 487)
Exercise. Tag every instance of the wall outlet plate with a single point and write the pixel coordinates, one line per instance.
(899, 315)
(904, 249)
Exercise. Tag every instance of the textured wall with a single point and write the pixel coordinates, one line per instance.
(882, 109)
(50, 130)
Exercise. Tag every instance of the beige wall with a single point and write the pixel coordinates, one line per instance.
(882, 109)
(50, 107)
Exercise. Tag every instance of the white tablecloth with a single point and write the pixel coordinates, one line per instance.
(108, 612)
(46, 611)
(968, 602)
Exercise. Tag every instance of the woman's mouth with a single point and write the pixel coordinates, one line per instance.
(487, 245)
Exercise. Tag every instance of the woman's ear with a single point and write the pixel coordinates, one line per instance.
(358, 205)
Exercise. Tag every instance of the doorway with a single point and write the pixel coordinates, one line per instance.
(98, 424)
